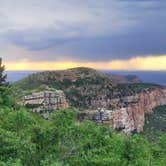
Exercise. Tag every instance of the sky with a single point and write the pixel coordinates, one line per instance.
(103, 34)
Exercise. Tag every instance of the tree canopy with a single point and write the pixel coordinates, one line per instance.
(2, 75)
(28, 139)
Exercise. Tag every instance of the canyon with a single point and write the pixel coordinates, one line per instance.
(99, 97)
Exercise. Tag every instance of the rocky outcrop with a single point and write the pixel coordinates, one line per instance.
(131, 117)
(45, 102)
(127, 113)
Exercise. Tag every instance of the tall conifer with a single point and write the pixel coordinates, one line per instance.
(2, 75)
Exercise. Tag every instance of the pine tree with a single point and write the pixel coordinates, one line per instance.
(6, 93)
(2, 75)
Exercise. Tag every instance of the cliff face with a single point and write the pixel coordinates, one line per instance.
(44, 102)
(131, 116)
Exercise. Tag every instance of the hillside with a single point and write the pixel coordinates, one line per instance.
(79, 84)
(84, 87)
(64, 78)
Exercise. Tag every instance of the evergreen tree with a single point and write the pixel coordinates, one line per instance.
(6, 94)
(2, 75)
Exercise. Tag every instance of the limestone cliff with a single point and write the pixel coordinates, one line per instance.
(128, 112)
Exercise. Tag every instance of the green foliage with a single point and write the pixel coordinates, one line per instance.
(6, 93)
(28, 139)
(155, 123)
(2, 75)
(7, 96)
(132, 89)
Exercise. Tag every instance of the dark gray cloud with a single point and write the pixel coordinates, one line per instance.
(84, 30)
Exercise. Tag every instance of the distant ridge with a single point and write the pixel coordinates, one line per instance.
(125, 79)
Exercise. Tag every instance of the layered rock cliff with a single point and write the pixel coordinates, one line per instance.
(128, 112)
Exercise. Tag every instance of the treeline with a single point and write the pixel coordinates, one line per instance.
(26, 139)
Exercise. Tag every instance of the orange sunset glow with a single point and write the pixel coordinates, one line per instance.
(137, 63)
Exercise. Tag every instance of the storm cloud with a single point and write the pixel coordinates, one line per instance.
(79, 30)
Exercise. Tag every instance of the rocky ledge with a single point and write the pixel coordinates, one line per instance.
(127, 113)
(131, 117)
